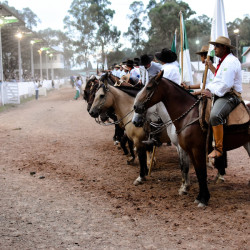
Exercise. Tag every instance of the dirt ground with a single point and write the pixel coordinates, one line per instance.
(64, 185)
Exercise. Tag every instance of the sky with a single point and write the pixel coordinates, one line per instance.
(52, 12)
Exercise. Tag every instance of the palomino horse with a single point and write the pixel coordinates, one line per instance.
(186, 120)
(184, 161)
(109, 96)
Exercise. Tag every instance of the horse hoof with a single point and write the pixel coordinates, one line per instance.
(183, 192)
(139, 181)
(196, 201)
(130, 161)
(201, 205)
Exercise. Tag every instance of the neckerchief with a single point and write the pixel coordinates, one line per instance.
(220, 62)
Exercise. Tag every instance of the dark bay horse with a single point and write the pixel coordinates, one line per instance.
(185, 118)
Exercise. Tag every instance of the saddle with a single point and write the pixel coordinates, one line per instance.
(240, 115)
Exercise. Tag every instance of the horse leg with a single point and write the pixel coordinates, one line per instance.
(123, 144)
(131, 150)
(220, 164)
(184, 165)
(143, 166)
(199, 161)
(247, 147)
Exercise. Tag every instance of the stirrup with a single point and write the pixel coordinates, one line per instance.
(216, 153)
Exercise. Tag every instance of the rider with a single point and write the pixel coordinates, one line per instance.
(226, 88)
(148, 68)
(169, 64)
(210, 73)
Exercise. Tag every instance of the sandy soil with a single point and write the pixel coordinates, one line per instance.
(64, 185)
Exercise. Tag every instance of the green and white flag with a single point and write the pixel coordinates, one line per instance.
(187, 70)
(219, 27)
(174, 43)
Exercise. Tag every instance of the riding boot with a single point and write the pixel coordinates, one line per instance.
(218, 137)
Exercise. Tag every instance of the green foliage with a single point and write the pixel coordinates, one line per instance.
(136, 29)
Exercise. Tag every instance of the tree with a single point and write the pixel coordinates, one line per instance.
(136, 29)
(30, 18)
(164, 19)
(59, 38)
(88, 25)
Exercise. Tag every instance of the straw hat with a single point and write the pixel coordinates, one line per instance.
(117, 66)
(204, 49)
(223, 41)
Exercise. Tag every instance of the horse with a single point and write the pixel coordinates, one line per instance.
(90, 83)
(186, 120)
(184, 160)
(108, 96)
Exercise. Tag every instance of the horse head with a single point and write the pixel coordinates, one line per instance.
(146, 98)
(91, 96)
(102, 101)
(89, 83)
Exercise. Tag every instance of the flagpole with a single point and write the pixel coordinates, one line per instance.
(181, 33)
(205, 73)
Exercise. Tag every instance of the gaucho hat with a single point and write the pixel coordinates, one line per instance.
(222, 40)
(166, 56)
(204, 49)
(146, 59)
(130, 63)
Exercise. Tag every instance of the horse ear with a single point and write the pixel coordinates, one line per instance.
(159, 76)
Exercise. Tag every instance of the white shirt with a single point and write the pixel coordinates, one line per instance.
(172, 72)
(210, 77)
(78, 85)
(228, 76)
(135, 73)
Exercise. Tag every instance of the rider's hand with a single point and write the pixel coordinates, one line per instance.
(184, 85)
(206, 93)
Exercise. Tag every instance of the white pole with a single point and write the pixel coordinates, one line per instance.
(32, 60)
(19, 60)
(1, 67)
(41, 70)
(46, 62)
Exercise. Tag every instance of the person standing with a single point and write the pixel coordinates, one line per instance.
(226, 88)
(78, 85)
(36, 86)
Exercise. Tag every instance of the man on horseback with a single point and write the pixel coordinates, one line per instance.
(226, 89)
(148, 68)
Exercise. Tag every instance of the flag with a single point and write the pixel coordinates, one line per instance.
(174, 43)
(219, 27)
(106, 63)
(186, 71)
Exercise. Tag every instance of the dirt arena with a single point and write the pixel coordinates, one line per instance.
(64, 185)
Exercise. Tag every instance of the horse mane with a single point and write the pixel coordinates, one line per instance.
(182, 89)
(132, 91)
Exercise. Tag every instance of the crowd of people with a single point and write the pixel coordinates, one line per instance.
(223, 82)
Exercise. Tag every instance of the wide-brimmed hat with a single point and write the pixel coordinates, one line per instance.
(166, 56)
(117, 66)
(146, 59)
(204, 49)
(223, 41)
(125, 67)
(130, 63)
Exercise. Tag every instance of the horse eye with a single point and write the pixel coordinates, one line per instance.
(149, 87)
(102, 96)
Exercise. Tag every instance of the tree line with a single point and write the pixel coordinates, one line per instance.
(90, 32)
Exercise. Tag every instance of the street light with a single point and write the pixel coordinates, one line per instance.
(236, 32)
(52, 69)
(31, 58)
(19, 36)
(41, 63)
(47, 68)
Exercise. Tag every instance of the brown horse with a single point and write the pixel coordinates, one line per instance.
(186, 120)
